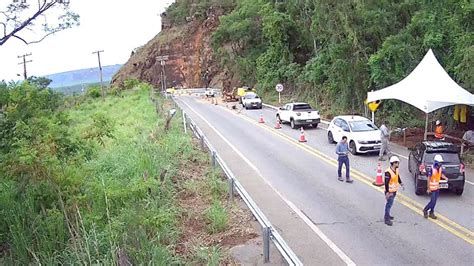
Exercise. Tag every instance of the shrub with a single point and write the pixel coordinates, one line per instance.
(217, 217)
(93, 91)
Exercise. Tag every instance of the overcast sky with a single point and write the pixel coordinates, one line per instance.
(115, 26)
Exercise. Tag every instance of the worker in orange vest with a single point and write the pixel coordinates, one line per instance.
(439, 129)
(392, 182)
(435, 174)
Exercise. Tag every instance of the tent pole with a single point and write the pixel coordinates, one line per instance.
(373, 117)
(426, 127)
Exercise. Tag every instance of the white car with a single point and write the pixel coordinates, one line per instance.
(251, 100)
(298, 114)
(362, 135)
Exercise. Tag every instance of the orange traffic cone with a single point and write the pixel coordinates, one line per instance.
(302, 137)
(260, 120)
(278, 124)
(378, 180)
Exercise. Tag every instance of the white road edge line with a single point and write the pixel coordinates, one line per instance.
(308, 222)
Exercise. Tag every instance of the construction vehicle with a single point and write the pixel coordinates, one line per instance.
(241, 92)
(236, 94)
(229, 96)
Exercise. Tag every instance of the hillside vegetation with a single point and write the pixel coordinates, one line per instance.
(86, 180)
(332, 52)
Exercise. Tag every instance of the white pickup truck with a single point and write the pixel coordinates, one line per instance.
(298, 114)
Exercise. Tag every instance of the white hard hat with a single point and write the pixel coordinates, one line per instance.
(438, 158)
(438, 122)
(394, 159)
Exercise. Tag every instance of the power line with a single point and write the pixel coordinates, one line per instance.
(24, 62)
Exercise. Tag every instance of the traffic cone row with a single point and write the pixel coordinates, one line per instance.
(378, 179)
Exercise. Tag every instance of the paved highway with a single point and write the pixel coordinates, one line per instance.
(331, 222)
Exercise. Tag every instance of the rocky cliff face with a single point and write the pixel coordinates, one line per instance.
(189, 51)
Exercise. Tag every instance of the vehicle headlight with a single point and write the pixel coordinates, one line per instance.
(363, 142)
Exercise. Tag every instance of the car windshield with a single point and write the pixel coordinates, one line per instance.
(448, 157)
(302, 106)
(251, 96)
(363, 125)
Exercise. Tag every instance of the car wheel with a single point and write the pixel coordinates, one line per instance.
(418, 190)
(459, 191)
(246, 107)
(292, 123)
(330, 138)
(315, 125)
(353, 148)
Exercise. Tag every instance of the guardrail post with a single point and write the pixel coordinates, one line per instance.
(202, 141)
(231, 189)
(213, 159)
(184, 122)
(266, 244)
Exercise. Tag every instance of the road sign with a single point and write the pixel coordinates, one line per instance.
(374, 105)
(279, 87)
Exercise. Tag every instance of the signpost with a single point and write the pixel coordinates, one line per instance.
(279, 89)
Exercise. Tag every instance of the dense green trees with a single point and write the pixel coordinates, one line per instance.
(339, 50)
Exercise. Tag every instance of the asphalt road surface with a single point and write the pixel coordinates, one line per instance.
(334, 222)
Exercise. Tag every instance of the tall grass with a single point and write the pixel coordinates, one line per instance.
(120, 199)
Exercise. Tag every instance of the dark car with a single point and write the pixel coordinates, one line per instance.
(420, 162)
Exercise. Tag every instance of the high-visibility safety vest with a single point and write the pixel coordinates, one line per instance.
(393, 183)
(439, 132)
(434, 178)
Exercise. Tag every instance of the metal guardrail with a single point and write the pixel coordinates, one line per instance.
(269, 232)
(198, 91)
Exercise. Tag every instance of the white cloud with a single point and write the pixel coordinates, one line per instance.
(115, 26)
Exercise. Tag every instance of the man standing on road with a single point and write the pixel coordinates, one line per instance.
(435, 174)
(384, 136)
(342, 150)
(392, 182)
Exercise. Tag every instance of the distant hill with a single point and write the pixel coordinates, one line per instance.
(82, 76)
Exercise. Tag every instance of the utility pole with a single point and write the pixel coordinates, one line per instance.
(100, 70)
(163, 59)
(25, 75)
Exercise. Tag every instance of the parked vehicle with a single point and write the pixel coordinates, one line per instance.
(420, 162)
(251, 100)
(210, 93)
(298, 114)
(362, 135)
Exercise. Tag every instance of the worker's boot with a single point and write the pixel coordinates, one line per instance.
(425, 214)
(349, 180)
(388, 222)
(433, 216)
(391, 217)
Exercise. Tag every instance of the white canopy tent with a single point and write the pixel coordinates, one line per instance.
(428, 87)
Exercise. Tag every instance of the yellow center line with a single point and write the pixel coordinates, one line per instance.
(442, 221)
